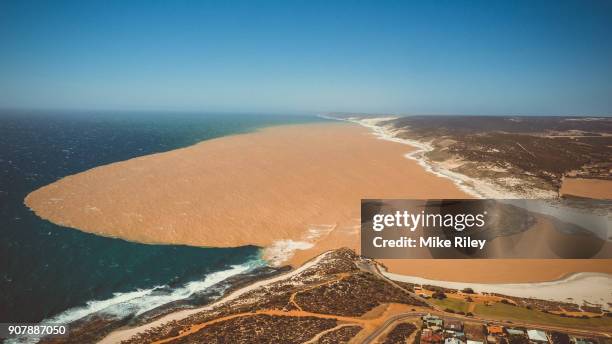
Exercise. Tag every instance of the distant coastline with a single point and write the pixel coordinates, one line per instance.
(288, 189)
(505, 157)
(477, 188)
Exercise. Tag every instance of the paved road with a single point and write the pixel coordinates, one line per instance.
(374, 335)
(372, 268)
(369, 339)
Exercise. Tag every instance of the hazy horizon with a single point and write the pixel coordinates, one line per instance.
(405, 58)
(104, 111)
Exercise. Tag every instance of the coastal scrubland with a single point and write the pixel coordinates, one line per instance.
(313, 304)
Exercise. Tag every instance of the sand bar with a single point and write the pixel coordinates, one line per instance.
(285, 187)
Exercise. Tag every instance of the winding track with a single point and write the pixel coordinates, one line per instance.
(438, 311)
(364, 265)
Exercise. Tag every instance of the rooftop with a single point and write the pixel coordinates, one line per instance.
(495, 329)
(537, 335)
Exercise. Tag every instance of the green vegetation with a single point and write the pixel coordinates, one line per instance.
(502, 311)
(438, 295)
(508, 312)
(454, 304)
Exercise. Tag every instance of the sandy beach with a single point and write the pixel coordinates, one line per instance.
(593, 288)
(293, 189)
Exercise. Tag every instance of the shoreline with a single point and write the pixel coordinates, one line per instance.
(477, 188)
(143, 301)
(395, 160)
(126, 333)
(557, 287)
(291, 190)
(576, 287)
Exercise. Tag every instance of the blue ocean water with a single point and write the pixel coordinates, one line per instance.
(51, 272)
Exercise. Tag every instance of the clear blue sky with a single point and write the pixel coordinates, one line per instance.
(474, 57)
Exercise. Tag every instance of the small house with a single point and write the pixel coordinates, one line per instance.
(515, 331)
(453, 325)
(537, 336)
(430, 337)
(453, 341)
(495, 330)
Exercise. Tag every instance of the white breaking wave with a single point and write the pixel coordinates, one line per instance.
(483, 189)
(121, 335)
(461, 181)
(143, 300)
(280, 251)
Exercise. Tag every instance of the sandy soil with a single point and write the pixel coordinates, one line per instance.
(119, 335)
(283, 188)
(591, 188)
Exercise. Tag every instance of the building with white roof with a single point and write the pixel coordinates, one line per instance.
(537, 336)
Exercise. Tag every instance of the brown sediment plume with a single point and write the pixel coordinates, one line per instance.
(254, 188)
(273, 188)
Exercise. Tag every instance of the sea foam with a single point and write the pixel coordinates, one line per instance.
(137, 302)
(143, 300)
(475, 187)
